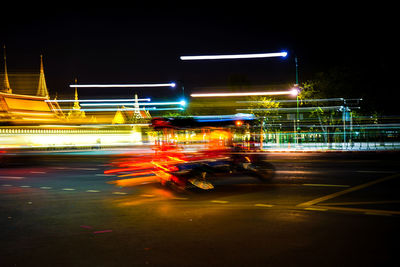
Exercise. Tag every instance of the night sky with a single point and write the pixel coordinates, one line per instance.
(143, 45)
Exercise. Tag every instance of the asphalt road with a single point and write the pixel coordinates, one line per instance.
(321, 209)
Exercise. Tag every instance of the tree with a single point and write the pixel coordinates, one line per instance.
(327, 114)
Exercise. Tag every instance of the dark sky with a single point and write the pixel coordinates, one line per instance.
(143, 45)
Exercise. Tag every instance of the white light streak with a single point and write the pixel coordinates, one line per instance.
(242, 94)
(122, 85)
(99, 100)
(291, 101)
(116, 109)
(238, 56)
(132, 104)
(292, 109)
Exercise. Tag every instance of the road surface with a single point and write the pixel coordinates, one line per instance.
(321, 209)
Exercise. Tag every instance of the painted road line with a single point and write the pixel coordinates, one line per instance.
(25, 186)
(263, 205)
(92, 191)
(119, 193)
(68, 189)
(316, 209)
(36, 172)
(12, 177)
(220, 201)
(369, 211)
(327, 185)
(45, 187)
(147, 195)
(351, 189)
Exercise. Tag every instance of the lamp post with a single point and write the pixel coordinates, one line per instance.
(295, 92)
(297, 97)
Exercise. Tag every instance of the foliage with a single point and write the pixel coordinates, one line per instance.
(263, 106)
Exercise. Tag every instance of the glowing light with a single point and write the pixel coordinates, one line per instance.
(292, 109)
(116, 109)
(183, 103)
(132, 104)
(99, 100)
(122, 85)
(294, 92)
(238, 56)
(291, 101)
(242, 94)
(212, 118)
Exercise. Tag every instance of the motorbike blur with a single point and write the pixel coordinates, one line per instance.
(188, 166)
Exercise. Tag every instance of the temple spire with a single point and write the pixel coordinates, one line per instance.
(42, 88)
(6, 84)
(76, 113)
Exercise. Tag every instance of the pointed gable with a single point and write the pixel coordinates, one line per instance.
(42, 87)
(6, 84)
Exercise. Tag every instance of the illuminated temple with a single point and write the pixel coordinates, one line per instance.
(36, 121)
(27, 109)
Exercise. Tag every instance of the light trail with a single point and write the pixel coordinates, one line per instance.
(182, 103)
(294, 100)
(122, 85)
(236, 56)
(243, 94)
(100, 100)
(292, 109)
(116, 109)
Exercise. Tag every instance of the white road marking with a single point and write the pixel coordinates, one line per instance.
(119, 193)
(45, 187)
(25, 186)
(316, 209)
(68, 189)
(220, 201)
(92, 191)
(348, 190)
(263, 205)
(147, 195)
(12, 177)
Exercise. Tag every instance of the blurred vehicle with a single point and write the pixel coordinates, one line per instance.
(187, 163)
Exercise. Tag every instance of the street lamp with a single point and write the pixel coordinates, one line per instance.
(295, 91)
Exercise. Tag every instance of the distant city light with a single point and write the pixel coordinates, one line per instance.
(122, 85)
(243, 94)
(237, 56)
